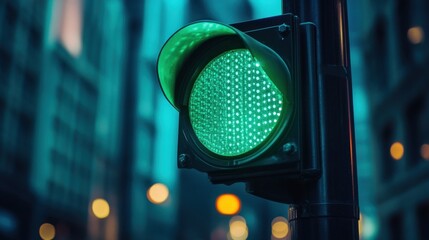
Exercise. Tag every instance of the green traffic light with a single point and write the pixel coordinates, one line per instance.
(234, 94)
(234, 106)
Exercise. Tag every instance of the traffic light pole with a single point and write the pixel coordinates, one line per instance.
(328, 208)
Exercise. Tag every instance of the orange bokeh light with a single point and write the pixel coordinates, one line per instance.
(397, 150)
(158, 193)
(100, 208)
(279, 228)
(415, 35)
(47, 231)
(424, 150)
(228, 204)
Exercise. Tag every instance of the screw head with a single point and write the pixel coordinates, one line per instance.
(290, 148)
(284, 30)
(184, 160)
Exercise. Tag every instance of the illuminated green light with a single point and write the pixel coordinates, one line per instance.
(234, 106)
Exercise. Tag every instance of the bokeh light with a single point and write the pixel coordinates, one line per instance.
(279, 228)
(228, 204)
(368, 227)
(415, 35)
(100, 208)
(47, 231)
(158, 193)
(360, 226)
(424, 150)
(238, 228)
(397, 150)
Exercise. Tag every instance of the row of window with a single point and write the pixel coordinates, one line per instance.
(398, 229)
(408, 137)
(62, 195)
(398, 43)
(18, 89)
(20, 34)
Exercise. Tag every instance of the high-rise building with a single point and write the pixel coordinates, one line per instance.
(21, 36)
(61, 68)
(396, 56)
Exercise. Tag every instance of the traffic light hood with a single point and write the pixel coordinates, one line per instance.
(188, 39)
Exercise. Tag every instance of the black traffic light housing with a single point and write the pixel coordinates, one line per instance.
(310, 163)
(288, 156)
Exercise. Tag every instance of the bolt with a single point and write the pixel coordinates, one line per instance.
(289, 148)
(184, 160)
(284, 30)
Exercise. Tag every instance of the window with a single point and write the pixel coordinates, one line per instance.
(380, 61)
(415, 126)
(68, 15)
(7, 29)
(30, 86)
(34, 42)
(396, 227)
(403, 24)
(387, 165)
(423, 220)
(5, 60)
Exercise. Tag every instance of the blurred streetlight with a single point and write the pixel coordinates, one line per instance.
(415, 35)
(100, 208)
(397, 150)
(425, 151)
(279, 228)
(157, 193)
(238, 228)
(228, 204)
(47, 231)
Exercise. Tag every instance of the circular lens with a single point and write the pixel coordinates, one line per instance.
(234, 106)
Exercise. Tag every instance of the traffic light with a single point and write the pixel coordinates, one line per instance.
(246, 98)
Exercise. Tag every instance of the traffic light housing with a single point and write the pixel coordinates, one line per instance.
(246, 98)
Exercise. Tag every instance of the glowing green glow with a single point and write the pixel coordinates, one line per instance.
(234, 106)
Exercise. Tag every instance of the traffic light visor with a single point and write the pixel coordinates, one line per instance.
(183, 43)
(179, 47)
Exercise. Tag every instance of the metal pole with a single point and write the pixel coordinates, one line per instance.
(328, 208)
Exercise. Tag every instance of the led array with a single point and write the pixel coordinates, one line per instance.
(234, 106)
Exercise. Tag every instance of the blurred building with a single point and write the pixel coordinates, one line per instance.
(61, 66)
(20, 81)
(396, 58)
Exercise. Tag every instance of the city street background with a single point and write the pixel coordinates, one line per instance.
(88, 142)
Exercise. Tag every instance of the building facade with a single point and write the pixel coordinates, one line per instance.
(396, 56)
(20, 81)
(61, 66)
